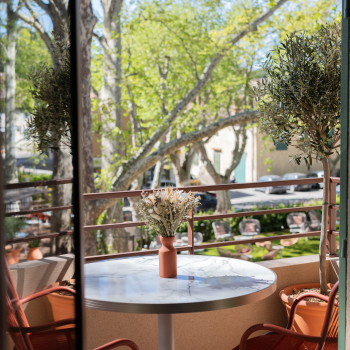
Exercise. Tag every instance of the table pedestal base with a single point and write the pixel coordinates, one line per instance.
(165, 332)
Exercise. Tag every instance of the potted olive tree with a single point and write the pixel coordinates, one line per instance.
(299, 101)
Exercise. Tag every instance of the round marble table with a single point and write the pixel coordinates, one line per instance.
(203, 283)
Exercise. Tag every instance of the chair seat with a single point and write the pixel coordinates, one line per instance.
(60, 339)
(281, 342)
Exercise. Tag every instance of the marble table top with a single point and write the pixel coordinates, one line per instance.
(203, 283)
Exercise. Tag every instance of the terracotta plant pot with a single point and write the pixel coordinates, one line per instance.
(63, 306)
(13, 256)
(309, 315)
(34, 254)
(167, 258)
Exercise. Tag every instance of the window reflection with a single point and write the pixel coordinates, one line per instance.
(35, 124)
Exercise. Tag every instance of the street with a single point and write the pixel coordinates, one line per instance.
(247, 198)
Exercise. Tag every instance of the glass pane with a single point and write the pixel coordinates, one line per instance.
(35, 123)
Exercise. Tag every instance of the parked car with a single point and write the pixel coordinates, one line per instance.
(317, 173)
(207, 201)
(296, 176)
(271, 189)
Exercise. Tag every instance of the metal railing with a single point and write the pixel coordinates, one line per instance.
(191, 247)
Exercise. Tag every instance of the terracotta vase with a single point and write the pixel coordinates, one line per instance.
(62, 306)
(34, 254)
(309, 315)
(167, 258)
(13, 256)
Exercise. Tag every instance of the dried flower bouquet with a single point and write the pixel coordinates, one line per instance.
(164, 210)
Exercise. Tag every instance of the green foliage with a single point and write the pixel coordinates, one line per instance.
(13, 225)
(300, 98)
(34, 243)
(166, 46)
(50, 121)
(269, 223)
(301, 248)
(203, 226)
(30, 177)
(31, 54)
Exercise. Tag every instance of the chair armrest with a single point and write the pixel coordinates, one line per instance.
(44, 327)
(119, 342)
(275, 329)
(45, 292)
(299, 299)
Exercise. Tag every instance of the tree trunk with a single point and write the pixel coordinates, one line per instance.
(223, 197)
(334, 165)
(157, 174)
(62, 195)
(111, 93)
(10, 95)
(224, 201)
(324, 227)
(88, 21)
(182, 171)
(120, 237)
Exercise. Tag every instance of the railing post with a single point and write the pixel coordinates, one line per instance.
(190, 228)
(332, 223)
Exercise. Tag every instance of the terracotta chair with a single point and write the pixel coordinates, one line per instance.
(222, 230)
(249, 227)
(297, 222)
(280, 338)
(315, 220)
(240, 253)
(45, 336)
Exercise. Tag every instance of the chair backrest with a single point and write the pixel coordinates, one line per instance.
(315, 220)
(16, 316)
(332, 320)
(249, 227)
(221, 228)
(296, 222)
(330, 323)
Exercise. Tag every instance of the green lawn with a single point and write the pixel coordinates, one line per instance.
(302, 247)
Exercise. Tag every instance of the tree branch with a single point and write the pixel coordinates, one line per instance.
(39, 28)
(41, 4)
(102, 40)
(198, 87)
(131, 173)
(208, 163)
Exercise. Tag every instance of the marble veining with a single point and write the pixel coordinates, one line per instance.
(203, 283)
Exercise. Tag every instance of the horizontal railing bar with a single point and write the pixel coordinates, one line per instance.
(241, 241)
(38, 183)
(40, 236)
(115, 225)
(224, 187)
(38, 211)
(202, 246)
(255, 212)
(120, 255)
(262, 239)
(122, 194)
(206, 217)
(335, 179)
